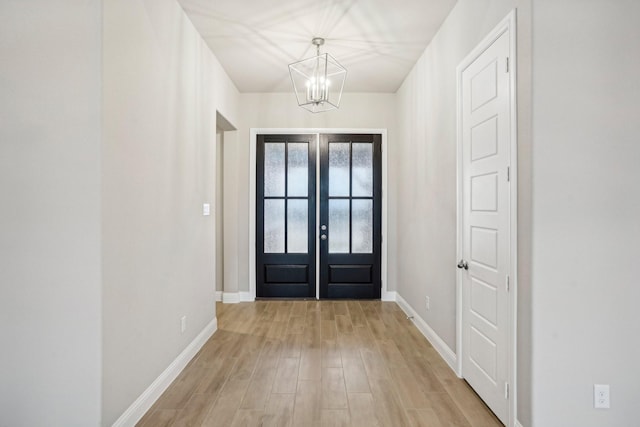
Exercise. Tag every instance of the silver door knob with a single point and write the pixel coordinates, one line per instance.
(463, 264)
(323, 227)
(323, 237)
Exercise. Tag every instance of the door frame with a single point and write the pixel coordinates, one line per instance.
(507, 24)
(254, 132)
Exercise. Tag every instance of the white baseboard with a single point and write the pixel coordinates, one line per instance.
(142, 404)
(230, 297)
(441, 347)
(235, 297)
(219, 296)
(388, 296)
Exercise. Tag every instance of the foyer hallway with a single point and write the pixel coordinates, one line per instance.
(317, 363)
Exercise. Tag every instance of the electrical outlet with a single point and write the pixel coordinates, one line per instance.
(183, 324)
(428, 303)
(601, 396)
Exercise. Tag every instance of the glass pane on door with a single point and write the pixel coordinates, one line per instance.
(297, 226)
(297, 169)
(274, 226)
(339, 176)
(274, 169)
(338, 226)
(362, 170)
(362, 229)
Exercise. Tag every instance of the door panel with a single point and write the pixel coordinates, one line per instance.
(350, 216)
(286, 216)
(485, 224)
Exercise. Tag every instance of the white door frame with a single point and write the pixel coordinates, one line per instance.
(385, 294)
(508, 24)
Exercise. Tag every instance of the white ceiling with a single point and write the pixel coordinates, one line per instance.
(377, 41)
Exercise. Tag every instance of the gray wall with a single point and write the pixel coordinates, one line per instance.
(586, 211)
(162, 88)
(426, 182)
(50, 310)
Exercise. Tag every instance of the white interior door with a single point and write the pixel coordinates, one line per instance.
(485, 226)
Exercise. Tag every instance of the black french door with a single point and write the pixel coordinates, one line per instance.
(350, 216)
(349, 230)
(286, 216)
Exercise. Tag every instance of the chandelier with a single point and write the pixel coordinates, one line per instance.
(318, 81)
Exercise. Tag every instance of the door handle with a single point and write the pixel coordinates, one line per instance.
(323, 237)
(463, 264)
(323, 227)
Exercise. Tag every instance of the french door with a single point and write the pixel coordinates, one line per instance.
(348, 233)
(286, 216)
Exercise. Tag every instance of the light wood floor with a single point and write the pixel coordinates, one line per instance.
(310, 363)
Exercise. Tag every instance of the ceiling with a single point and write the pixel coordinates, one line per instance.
(377, 41)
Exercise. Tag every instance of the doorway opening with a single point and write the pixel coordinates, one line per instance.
(226, 277)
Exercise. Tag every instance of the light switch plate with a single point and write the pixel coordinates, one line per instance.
(206, 209)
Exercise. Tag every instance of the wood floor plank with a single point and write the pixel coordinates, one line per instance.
(308, 405)
(310, 364)
(196, 410)
(335, 418)
(270, 354)
(349, 345)
(447, 411)
(248, 418)
(470, 405)
(409, 389)
(317, 363)
(180, 391)
(328, 329)
(215, 375)
(355, 375)
(259, 389)
(292, 345)
(362, 410)
(334, 393)
(326, 311)
(343, 324)
(279, 410)
(331, 357)
(286, 380)
(299, 308)
(283, 310)
(374, 363)
(356, 314)
(159, 418)
(340, 308)
(224, 410)
(296, 324)
(388, 406)
(390, 353)
(423, 418)
(278, 329)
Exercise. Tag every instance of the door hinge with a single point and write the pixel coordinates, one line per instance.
(508, 173)
(507, 65)
(508, 286)
(506, 390)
